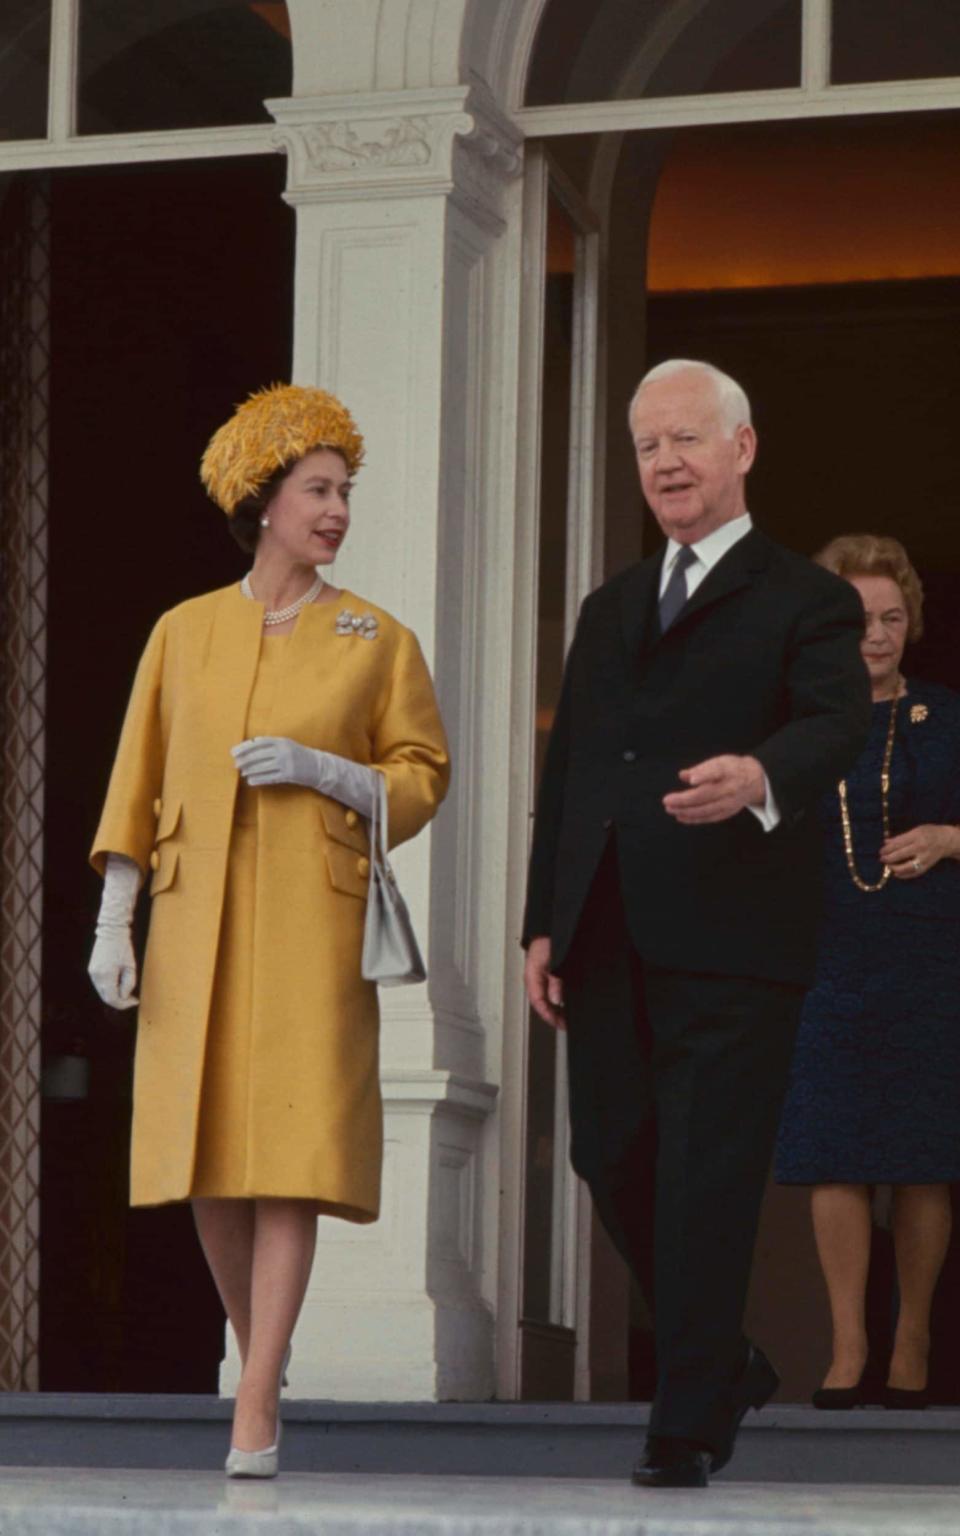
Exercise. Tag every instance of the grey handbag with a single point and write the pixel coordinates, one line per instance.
(391, 955)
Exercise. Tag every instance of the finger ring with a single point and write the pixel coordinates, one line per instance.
(917, 865)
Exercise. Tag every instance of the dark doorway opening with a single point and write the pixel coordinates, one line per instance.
(855, 388)
(171, 298)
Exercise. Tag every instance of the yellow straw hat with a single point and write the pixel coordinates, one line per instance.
(273, 428)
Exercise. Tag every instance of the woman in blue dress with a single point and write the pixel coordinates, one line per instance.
(875, 1090)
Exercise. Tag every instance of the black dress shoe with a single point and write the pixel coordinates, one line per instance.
(755, 1386)
(905, 1397)
(670, 1462)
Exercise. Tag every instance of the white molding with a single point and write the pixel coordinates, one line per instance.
(436, 142)
(522, 706)
(462, 534)
(415, 1089)
(365, 143)
(397, 196)
(495, 880)
(739, 107)
(126, 148)
(498, 44)
(367, 45)
(64, 69)
(816, 45)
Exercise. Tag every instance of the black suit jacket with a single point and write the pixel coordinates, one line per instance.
(765, 659)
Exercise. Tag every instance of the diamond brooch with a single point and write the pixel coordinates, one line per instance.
(362, 624)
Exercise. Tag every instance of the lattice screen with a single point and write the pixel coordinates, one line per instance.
(24, 375)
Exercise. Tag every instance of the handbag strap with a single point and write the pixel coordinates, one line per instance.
(378, 821)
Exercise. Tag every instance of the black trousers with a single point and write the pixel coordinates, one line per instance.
(676, 1085)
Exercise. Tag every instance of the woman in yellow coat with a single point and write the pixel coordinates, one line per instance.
(260, 718)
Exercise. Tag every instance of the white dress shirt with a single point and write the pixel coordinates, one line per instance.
(708, 551)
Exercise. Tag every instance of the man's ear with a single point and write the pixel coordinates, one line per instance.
(746, 447)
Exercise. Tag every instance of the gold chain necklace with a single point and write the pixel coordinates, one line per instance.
(855, 876)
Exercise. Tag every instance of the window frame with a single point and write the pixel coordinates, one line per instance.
(64, 146)
(815, 96)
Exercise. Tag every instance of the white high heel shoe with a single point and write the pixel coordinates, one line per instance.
(265, 1463)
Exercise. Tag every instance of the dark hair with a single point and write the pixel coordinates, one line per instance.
(244, 525)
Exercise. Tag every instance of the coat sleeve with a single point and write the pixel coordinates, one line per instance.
(828, 703)
(128, 822)
(410, 744)
(541, 878)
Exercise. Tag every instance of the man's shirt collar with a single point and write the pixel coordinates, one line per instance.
(710, 549)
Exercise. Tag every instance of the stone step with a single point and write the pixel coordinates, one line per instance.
(784, 1444)
(124, 1503)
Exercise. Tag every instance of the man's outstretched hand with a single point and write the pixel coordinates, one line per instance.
(544, 990)
(719, 788)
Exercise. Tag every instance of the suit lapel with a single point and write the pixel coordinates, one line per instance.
(638, 612)
(733, 571)
(641, 591)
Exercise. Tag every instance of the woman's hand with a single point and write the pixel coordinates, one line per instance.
(113, 964)
(913, 853)
(113, 969)
(278, 760)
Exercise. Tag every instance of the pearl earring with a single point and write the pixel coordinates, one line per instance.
(264, 522)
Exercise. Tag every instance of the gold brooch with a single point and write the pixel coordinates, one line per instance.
(918, 713)
(364, 625)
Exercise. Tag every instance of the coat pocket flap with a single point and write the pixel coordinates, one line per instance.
(343, 825)
(168, 820)
(348, 872)
(163, 862)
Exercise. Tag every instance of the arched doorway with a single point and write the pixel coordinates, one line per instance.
(843, 320)
(617, 100)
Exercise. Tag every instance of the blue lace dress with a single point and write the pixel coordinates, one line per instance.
(875, 1089)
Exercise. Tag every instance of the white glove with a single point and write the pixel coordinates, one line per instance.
(277, 760)
(113, 965)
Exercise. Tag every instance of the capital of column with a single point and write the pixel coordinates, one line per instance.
(447, 141)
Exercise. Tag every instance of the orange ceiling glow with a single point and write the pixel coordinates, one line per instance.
(274, 13)
(784, 204)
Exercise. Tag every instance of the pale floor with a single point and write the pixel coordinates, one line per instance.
(56, 1502)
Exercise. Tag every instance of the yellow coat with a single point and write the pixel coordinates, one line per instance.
(313, 1022)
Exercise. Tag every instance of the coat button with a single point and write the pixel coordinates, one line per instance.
(363, 867)
(629, 756)
(351, 818)
(157, 807)
(154, 860)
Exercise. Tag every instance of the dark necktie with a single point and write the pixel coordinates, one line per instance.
(675, 593)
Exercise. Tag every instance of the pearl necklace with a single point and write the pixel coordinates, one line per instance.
(282, 615)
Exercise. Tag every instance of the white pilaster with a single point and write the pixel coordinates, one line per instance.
(398, 198)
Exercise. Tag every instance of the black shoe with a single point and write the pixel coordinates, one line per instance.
(756, 1385)
(670, 1462)
(839, 1399)
(904, 1397)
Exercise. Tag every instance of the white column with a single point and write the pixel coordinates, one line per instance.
(399, 204)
